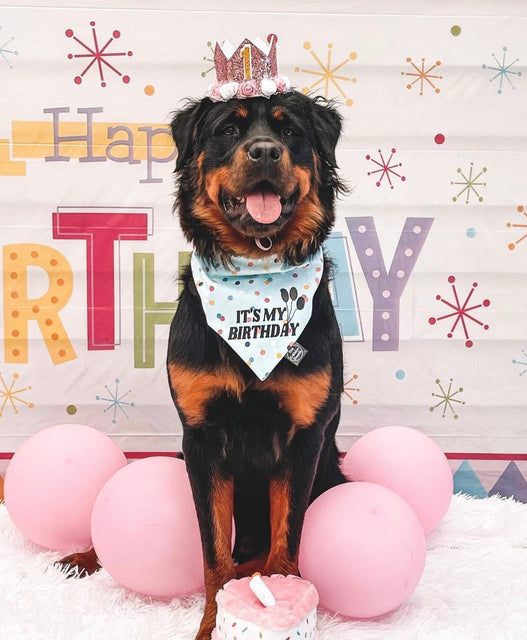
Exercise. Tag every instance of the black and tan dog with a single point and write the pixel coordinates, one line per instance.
(256, 450)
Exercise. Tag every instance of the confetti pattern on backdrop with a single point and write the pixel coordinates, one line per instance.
(421, 76)
(429, 244)
(97, 57)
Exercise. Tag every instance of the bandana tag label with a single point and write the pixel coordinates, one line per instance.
(296, 353)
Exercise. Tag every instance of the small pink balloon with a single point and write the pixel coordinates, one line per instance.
(145, 529)
(363, 548)
(407, 462)
(52, 481)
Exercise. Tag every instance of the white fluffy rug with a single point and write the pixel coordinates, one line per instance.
(474, 588)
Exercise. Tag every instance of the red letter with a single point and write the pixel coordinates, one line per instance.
(100, 230)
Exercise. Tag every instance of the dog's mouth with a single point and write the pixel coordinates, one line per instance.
(261, 212)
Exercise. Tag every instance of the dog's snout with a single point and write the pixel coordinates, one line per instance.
(265, 151)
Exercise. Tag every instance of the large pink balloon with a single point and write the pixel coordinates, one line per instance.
(363, 548)
(145, 529)
(52, 482)
(408, 462)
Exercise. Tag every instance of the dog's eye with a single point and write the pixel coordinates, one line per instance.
(287, 132)
(230, 130)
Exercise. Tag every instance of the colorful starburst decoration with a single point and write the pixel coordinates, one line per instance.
(447, 399)
(116, 402)
(329, 76)
(512, 225)
(387, 169)
(462, 313)
(521, 363)
(6, 50)
(469, 183)
(422, 75)
(97, 56)
(10, 395)
(504, 71)
(210, 60)
(350, 390)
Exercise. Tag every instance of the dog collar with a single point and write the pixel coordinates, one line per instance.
(258, 306)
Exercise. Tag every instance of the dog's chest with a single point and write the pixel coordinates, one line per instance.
(254, 431)
(221, 395)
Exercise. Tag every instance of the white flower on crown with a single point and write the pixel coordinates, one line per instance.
(228, 90)
(268, 87)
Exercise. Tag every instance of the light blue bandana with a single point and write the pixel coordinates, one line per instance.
(259, 306)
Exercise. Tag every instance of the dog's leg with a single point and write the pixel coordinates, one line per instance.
(289, 495)
(218, 563)
(282, 558)
(329, 473)
(213, 495)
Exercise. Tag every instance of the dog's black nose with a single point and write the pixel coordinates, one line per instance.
(264, 151)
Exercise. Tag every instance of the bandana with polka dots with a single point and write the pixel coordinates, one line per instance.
(258, 306)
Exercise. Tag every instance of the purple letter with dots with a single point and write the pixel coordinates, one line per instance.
(386, 288)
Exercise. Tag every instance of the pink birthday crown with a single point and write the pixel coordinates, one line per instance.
(247, 71)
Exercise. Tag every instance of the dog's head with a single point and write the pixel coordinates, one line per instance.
(257, 172)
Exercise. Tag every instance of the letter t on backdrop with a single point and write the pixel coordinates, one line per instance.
(100, 230)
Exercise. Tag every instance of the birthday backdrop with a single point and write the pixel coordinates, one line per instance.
(430, 245)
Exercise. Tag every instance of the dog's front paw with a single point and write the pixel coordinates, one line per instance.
(208, 621)
(79, 565)
(284, 566)
(205, 633)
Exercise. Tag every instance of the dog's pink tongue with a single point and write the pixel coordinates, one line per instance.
(263, 206)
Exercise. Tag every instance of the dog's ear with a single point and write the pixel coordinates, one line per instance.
(184, 128)
(327, 128)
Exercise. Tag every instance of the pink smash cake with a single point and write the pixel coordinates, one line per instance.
(242, 616)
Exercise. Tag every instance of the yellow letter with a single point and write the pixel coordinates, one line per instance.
(19, 309)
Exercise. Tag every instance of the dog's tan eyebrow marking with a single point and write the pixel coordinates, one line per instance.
(278, 113)
(242, 112)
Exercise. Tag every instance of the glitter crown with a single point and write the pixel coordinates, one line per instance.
(247, 71)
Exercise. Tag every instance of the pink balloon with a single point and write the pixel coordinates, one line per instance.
(145, 529)
(363, 548)
(407, 462)
(52, 481)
